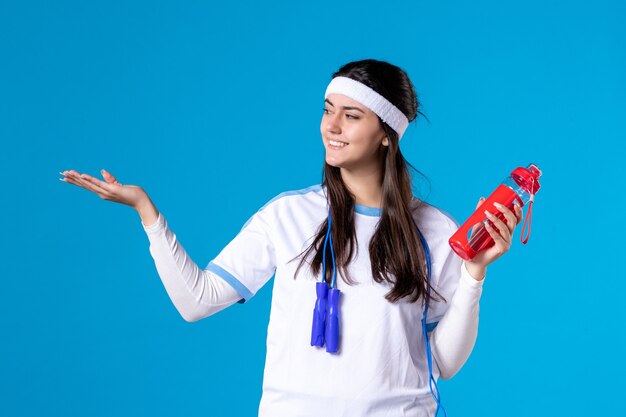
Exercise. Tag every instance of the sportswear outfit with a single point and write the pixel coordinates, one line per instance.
(380, 368)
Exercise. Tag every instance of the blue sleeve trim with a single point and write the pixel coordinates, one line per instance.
(234, 282)
(431, 326)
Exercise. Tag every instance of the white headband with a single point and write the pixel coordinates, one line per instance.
(370, 99)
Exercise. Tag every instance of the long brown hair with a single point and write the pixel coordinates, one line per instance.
(396, 253)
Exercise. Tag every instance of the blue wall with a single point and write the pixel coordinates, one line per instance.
(215, 109)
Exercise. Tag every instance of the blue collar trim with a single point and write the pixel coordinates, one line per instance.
(368, 211)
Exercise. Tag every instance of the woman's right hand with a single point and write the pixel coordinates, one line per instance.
(109, 189)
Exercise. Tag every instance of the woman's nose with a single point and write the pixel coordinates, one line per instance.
(333, 123)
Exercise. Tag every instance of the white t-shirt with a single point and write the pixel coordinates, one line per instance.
(380, 368)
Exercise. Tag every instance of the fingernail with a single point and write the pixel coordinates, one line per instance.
(488, 214)
(495, 203)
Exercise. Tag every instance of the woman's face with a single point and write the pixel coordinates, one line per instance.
(357, 130)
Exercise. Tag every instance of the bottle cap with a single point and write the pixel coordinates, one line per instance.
(527, 178)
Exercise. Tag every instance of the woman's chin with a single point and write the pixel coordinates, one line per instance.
(333, 162)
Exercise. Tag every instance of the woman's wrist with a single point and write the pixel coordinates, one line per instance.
(147, 211)
(476, 271)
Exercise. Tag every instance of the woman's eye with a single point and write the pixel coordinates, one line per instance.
(349, 116)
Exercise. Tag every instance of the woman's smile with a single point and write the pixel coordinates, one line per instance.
(336, 145)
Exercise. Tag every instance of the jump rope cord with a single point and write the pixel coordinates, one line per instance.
(431, 379)
(329, 239)
(332, 254)
(324, 250)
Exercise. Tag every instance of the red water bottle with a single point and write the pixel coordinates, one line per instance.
(521, 187)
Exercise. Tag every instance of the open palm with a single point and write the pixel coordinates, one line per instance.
(109, 189)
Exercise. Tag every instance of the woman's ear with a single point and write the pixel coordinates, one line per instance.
(386, 141)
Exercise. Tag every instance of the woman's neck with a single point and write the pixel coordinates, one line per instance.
(366, 186)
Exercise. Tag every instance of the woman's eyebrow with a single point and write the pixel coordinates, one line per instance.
(345, 107)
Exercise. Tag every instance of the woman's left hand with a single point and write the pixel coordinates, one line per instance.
(503, 238)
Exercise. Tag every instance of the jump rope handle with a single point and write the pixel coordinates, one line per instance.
(319, 315)
(332, 321)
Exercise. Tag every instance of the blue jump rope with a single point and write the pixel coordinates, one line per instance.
(326, 312)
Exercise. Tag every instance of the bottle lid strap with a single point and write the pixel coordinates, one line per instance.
(529, 217)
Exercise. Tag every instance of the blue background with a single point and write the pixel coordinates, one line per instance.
(215, 108)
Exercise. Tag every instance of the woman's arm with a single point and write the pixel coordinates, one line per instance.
(196, 293)
(454, 337)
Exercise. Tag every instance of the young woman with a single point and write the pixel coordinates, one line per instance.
(359, 345)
